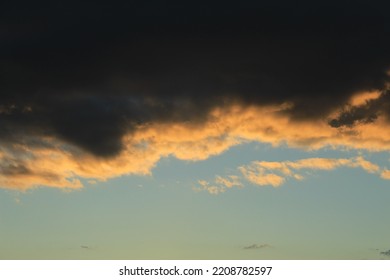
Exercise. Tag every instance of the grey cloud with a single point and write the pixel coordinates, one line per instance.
(13, 168)
(256, 246)
(386, 253)
(366, 113)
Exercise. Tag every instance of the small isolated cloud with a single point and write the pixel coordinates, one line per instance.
(256, 246)
(386, 253)
(88, 247)
(274, 173)
(206, 186)
(220, 185)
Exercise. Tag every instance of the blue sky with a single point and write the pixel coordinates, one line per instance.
(337, 214)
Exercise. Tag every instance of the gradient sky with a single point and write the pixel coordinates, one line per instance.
(147, 130)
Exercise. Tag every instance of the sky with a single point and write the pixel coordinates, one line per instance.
(194, 130)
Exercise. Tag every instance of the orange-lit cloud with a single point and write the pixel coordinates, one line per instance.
(61, 165)
(385, 174)
(259, 177)
(276, 173)
(206, 186)
(363, 97)
(220, 184)
(229, 182)
(272, 173)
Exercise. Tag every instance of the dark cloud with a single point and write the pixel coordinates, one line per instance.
(89, 73)
(365, 113)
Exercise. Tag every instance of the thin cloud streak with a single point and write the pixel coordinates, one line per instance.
(256, 246)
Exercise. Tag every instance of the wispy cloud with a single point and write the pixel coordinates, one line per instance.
(275, 173)
(220, 184)
(206, 186)
(256, 246)
(228, 182)
(259, 177)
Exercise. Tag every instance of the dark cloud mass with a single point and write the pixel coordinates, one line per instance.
(90, 72)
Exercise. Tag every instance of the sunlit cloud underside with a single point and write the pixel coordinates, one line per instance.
(50, 162)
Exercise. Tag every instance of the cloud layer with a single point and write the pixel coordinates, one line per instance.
(49, 161)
